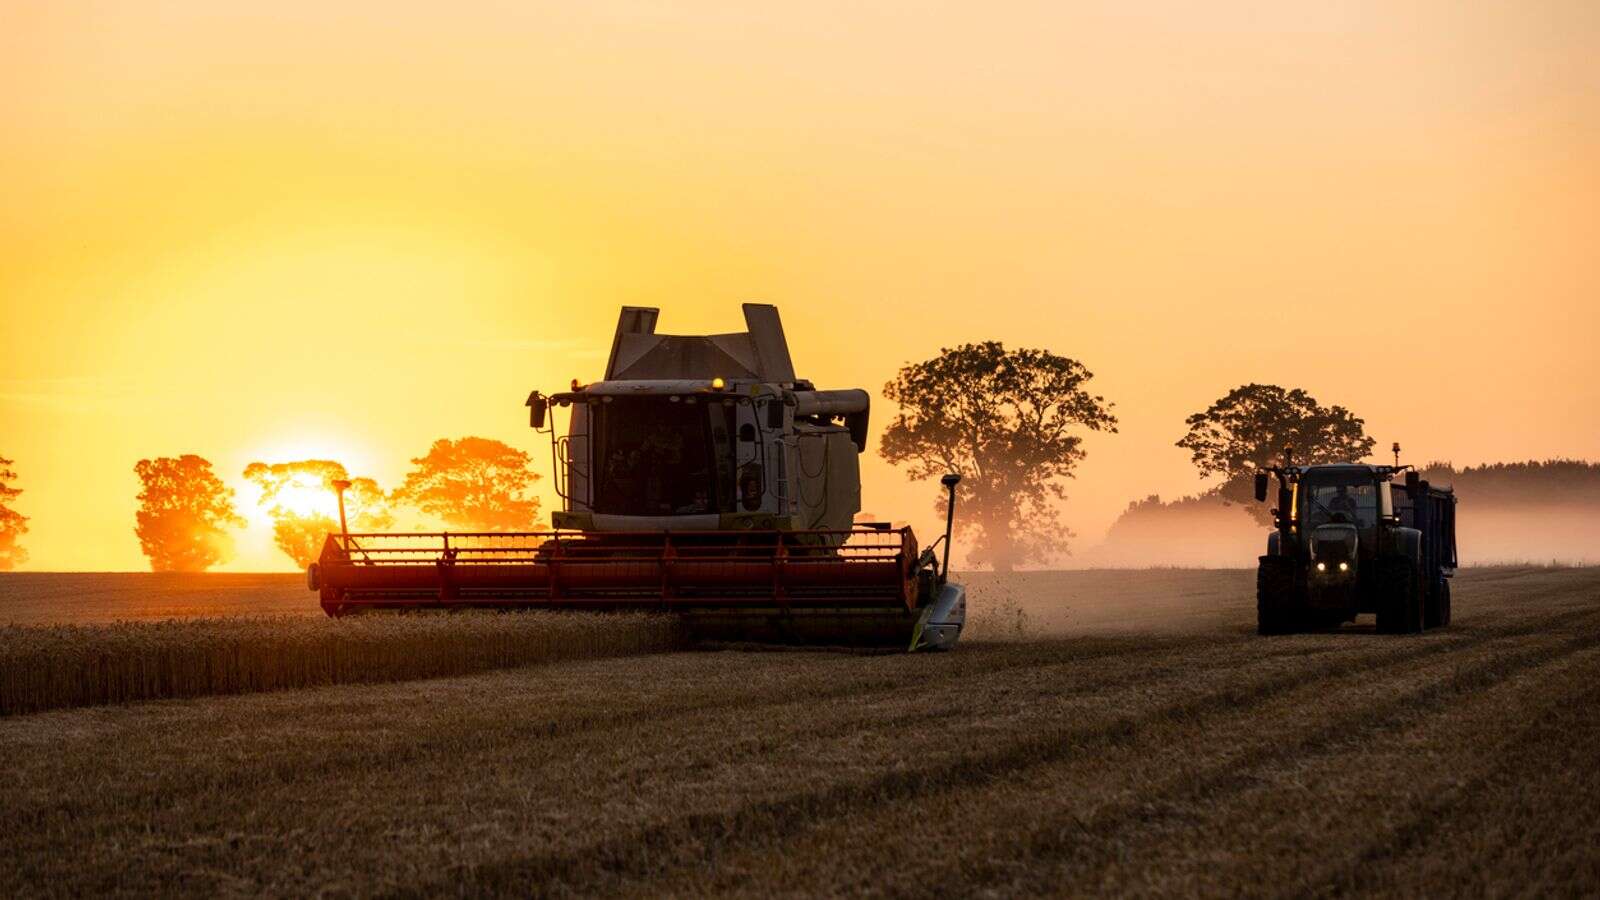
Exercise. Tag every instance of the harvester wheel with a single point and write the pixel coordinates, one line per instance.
(1275, 596)
(1401, 605)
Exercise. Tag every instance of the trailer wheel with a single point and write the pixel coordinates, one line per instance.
(1442, 605)
(1275, 596)
(1402, 599)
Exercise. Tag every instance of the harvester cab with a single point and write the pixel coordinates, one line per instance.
(705, 433)
(1350, 539)
(700, 476)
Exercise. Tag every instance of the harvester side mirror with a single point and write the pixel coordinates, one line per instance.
(1413, 481)
(1261, 486)
(537, 405)
(775, 414)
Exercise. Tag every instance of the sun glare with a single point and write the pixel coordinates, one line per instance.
(305, 497)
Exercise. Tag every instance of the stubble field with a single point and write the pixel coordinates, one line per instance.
(1097, 732)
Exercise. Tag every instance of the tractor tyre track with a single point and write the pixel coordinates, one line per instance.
(655, 850)
(1064, 835)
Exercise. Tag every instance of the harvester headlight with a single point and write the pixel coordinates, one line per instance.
(718, 384)
(1344, 567)
(1322, 567)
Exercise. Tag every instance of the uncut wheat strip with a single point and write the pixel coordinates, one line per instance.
(55, 667)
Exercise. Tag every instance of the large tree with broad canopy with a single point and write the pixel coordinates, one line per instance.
(1247, 430)
(1011, 423)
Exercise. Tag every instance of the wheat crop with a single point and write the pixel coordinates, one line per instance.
(49, 667)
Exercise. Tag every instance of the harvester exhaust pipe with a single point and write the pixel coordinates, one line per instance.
(949, 481)
(341, 485)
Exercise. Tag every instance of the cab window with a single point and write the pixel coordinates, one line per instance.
(1352, 504)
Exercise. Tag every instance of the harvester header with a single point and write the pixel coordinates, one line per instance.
(700, 476)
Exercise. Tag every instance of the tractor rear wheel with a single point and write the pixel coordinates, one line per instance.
(1277, 611)
(1401, 599)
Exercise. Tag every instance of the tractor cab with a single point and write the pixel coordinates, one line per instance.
(1340, 510)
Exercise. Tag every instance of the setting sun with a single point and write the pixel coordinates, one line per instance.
(306, 496)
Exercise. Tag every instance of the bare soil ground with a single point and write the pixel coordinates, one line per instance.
(1138, 739)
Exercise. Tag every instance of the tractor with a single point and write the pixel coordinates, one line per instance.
(1350, 539)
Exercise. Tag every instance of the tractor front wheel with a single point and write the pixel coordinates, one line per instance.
(1277, 611)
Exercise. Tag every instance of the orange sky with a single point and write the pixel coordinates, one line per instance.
(347, 229)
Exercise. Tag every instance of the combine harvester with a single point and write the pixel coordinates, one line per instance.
(701, 477)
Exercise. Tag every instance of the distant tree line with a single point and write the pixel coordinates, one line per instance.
(185, 511)
(1010, 422)
(1553, 482)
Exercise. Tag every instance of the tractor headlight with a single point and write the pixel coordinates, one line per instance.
(1322, 567)
(1344, 567)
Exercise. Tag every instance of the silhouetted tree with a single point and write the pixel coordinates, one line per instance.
(473, 483)
(301, 499)
(1248, 429)
(12, 523)
(184, 513)
(1005, 420)
(302, 537)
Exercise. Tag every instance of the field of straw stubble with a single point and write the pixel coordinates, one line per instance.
(1119, 732)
